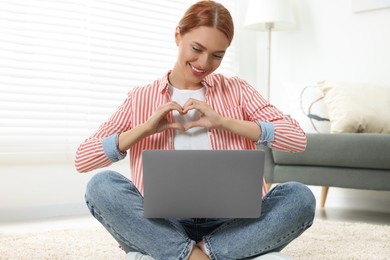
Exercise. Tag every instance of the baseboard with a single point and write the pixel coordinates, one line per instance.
(42, 212)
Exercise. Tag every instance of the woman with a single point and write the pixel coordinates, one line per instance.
(192, 108)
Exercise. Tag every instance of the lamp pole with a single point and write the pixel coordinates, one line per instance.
(269, 16)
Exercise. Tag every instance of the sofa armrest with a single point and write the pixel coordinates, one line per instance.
(353, 150)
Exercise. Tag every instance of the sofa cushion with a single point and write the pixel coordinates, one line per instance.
(355, 150)
(314, 108)
(357, 108)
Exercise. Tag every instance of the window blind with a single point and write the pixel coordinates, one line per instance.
(66, 65)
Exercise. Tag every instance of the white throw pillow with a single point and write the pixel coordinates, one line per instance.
(314, 108)
(357, 108)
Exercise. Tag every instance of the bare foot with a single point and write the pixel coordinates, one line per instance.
(201, 246)
(198, 254)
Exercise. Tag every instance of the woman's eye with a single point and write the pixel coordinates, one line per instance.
(196, 49)
(218, 56)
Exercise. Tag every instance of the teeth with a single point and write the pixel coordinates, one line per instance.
(197, 70)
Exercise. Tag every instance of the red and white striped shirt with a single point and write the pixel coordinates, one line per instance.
(230, 97)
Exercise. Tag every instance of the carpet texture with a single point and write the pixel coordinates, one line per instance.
(324, 240)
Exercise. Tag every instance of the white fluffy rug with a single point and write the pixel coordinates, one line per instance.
(324, 240)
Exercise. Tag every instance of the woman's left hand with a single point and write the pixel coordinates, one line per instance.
(211, 119)
(208, 117)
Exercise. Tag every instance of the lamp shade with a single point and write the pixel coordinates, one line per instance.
(260, 13)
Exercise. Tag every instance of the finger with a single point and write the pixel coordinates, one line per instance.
(194, 106)
(193, 124)
(177, 126)
(175, 106)
(191, 104)
(168, 107)
(185, 110)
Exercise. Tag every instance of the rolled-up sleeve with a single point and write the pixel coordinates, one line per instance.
(111, 150)
(279, 131)
(267, 133)
(100, 149)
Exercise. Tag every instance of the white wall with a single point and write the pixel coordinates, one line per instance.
(330, 42)
(41, 190)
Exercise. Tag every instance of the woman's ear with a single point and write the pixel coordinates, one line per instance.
(177, 36)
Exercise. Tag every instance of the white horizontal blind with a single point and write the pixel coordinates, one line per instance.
(66, 65)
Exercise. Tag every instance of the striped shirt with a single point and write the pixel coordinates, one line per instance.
(229, 97)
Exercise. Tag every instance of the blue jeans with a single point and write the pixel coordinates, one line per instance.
(287, 211)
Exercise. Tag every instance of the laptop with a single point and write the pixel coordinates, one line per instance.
(203, 183)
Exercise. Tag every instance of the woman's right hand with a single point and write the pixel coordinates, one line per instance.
(158, 122)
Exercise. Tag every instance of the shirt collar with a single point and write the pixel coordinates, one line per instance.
(164, 82)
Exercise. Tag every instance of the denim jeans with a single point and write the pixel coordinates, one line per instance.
(287, 211)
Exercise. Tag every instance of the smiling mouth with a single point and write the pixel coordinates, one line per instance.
(196, 69)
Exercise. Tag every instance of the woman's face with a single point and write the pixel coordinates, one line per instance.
(200, 53)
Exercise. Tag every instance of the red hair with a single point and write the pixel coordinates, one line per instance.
(210, 14)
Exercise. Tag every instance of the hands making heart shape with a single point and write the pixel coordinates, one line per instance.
(158, 122)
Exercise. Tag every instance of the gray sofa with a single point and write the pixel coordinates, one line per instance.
(350, 160)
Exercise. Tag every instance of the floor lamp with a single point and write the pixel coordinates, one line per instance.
(269, 15)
